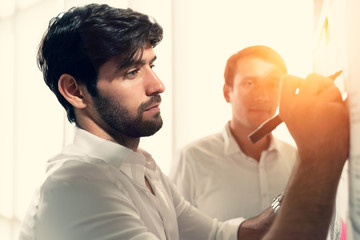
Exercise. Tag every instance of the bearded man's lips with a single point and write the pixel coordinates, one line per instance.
(152, 105)
(153, 108)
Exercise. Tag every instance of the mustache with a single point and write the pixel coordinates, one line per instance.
(153, 100)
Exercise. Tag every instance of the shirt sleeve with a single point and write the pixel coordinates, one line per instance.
(74, 208)
(194, 224)
(335, 228)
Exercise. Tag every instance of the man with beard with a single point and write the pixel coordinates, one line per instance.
(98, 61)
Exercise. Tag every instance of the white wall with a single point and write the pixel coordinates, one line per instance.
(24, 144)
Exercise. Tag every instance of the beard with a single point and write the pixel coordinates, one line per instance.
(119, 120)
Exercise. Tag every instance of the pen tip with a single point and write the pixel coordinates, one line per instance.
(335, 75)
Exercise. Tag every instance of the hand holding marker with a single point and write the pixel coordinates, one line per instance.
(270, 124)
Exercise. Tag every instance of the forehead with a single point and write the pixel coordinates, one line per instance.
(256, 67)
(144, 55)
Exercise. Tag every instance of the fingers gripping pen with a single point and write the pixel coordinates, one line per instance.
(269, 125)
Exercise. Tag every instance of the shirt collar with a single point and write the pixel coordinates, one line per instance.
(133, 164)
(231, 146)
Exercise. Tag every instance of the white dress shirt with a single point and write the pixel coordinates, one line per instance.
(95, 189)
(216, 176)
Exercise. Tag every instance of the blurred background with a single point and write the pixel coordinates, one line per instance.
(199, 36)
